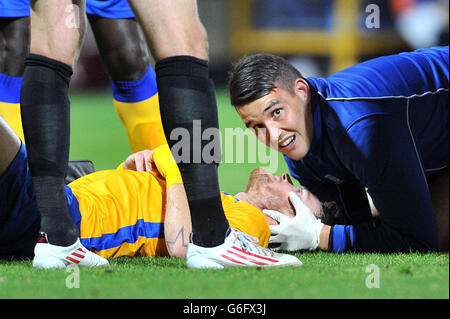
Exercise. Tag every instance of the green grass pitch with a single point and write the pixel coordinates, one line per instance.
(97, 134)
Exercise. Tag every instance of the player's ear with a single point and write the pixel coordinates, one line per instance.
(302, 87)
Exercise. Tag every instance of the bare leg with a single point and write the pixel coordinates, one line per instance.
(172, 27)
(122, 47)
(57, 29)
(125, 55)
(16, 39)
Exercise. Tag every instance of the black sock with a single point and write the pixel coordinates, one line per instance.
(186, 94)
(45, 111)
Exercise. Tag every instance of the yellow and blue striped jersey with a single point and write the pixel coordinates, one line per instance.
(122, 213)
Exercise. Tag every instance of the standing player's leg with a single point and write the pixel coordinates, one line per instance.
(124, 52)
(14, 37)
(122, 47)
(57, 29)
(186, 93)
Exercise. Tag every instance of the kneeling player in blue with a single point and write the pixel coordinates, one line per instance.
(380, 126)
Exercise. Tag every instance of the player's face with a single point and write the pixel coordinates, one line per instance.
(276, 190)
(282, 119)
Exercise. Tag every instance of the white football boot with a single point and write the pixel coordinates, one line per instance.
(238, 250)
(47, 255)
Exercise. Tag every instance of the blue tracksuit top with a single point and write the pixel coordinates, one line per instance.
(381, 125)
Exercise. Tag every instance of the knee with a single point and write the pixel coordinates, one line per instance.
(128, 62)
(16, 45)
(17, 48)
(192, 41)
(58, 32)
(198, 42)
(14, 60)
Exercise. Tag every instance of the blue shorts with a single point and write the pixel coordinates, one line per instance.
(19, 216)
(110, 9)
(14, 8)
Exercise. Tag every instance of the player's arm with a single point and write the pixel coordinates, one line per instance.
(177, 221)
(390, 168)
(410, 73)
(350, 197)
(397, 187)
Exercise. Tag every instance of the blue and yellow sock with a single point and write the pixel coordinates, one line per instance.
(10, 102)
(137, 105)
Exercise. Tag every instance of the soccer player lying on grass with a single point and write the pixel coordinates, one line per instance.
(268, 193)
(121, 213)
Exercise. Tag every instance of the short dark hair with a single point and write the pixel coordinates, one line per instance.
(255, 76)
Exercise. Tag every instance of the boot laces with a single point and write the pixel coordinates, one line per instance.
(250, 243)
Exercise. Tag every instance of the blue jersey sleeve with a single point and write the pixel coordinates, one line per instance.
(400, 75)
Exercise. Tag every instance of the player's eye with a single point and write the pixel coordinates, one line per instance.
(277, 112)
(257, 127)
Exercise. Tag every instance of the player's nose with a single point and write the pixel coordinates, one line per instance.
(273, 134)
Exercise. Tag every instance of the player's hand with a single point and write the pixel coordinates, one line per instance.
(139, 161)
(299, 233)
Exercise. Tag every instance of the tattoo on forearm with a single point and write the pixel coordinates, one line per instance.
(171, 243)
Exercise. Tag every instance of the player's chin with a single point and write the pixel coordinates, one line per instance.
(296, 151)
(292, 153)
